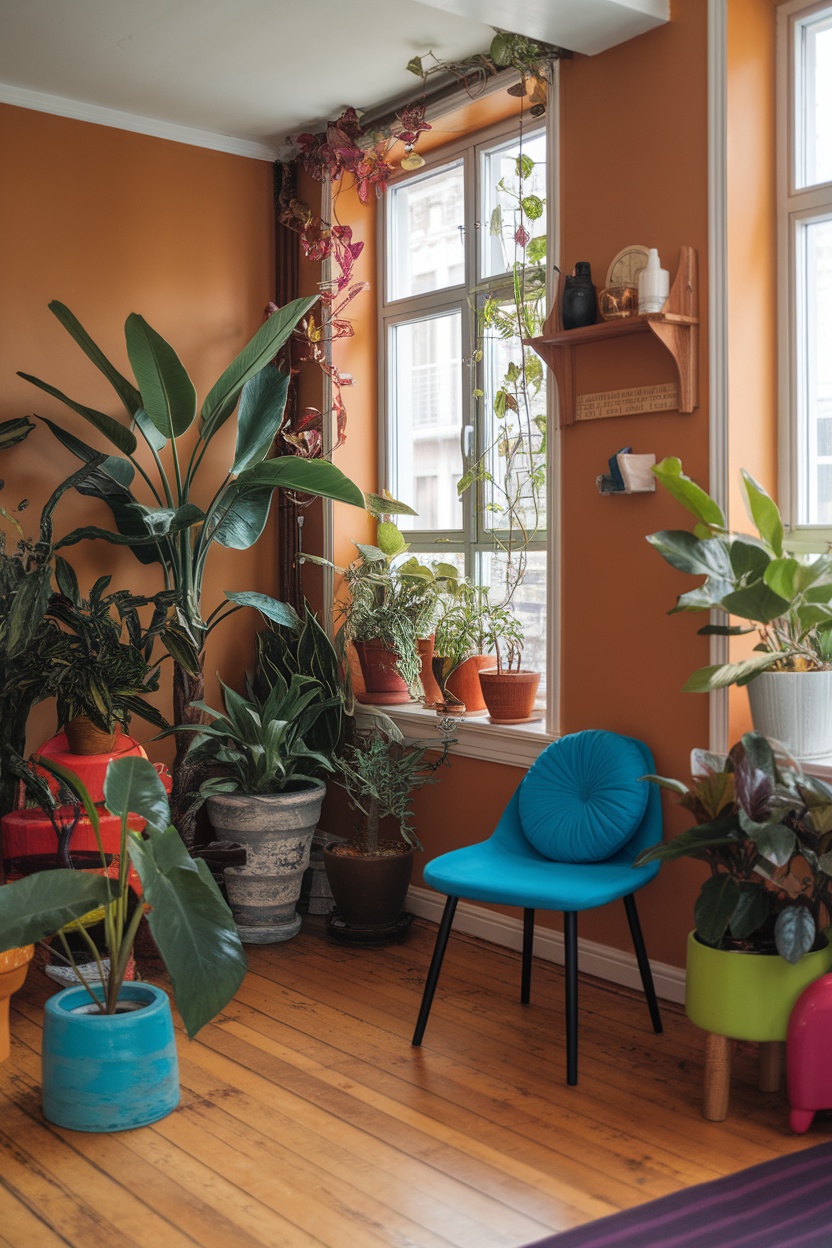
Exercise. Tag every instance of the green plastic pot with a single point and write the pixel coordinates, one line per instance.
(747, 996)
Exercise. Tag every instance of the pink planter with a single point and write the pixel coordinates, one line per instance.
(808, 1067)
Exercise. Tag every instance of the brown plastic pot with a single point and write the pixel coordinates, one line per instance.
(83, 737)
(382, 682)
(369, 889)
(464, 683)
(509, 696)
(430, 688)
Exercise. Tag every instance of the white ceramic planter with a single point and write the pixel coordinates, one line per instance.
(277, 831)
(795, 708)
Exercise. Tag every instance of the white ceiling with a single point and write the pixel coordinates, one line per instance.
(245, 74)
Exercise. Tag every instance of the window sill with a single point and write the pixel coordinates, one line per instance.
(514, 745)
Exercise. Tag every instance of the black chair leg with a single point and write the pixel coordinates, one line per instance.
(435, 967)
(528, 942)
(570, 948)
(643, 963)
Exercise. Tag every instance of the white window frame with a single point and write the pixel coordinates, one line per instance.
(797, 207)
(516, 745)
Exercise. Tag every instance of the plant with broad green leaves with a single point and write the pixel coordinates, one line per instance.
(259, 744)
(165, 525)
(785, 597)
(394, 602)
(189, 920)
(765, 831)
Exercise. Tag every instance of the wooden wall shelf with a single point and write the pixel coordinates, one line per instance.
(676, 327)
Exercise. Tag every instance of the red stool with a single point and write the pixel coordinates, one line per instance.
(808, 1067)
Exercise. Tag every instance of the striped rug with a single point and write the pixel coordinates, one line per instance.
(785, 1203)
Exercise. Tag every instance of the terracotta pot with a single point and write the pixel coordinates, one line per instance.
(383, 684)
(509, 696)
(464, 683)
(369, 889)
(14, 963)
(83, 737)
(430, 688)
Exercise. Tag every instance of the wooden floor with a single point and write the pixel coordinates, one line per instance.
(308, 1119)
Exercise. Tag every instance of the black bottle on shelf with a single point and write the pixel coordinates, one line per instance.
(579, 303)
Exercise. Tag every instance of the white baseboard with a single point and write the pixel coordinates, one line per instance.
(594, 959)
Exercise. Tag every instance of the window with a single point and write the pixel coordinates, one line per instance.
(465, 401)
(806, 259)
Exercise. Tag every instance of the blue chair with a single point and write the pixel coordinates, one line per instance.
(566, 842)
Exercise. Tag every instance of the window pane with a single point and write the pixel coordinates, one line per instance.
(426, 245)
(426, 421)
(513, 206)
(815, 375)
(814, 99)
(528, 602)
(514, 405)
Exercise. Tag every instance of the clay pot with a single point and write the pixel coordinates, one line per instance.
(369, 889)
(14, 963)
(509, 696)
(382, 682)
(431, 689)
(83, 737)
(464, 683)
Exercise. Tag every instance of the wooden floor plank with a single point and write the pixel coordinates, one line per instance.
(309, 1121)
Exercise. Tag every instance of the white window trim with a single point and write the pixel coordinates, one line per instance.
(795, 206)
(517, 745)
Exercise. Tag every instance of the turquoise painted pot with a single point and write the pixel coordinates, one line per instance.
(109, 1072)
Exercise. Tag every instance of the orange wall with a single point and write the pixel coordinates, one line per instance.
(110, 223)
(752, 274)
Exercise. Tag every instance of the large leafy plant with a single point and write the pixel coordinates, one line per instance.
(259, 744)
(78, 654)
(785, 597)
(189, 920)
(165, 525)
(765, 831)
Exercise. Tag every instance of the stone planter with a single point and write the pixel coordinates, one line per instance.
(276, 830)
(795, 708)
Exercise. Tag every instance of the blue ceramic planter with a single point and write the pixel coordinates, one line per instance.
(109, 1072)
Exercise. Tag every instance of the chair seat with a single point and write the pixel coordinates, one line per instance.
(491, 872)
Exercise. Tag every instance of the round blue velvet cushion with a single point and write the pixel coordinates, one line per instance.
(583, 799)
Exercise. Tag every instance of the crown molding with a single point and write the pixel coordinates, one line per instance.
(96, 114)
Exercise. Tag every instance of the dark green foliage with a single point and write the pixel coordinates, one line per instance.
(765, 831)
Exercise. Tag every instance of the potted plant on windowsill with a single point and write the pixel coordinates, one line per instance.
(370, 875)
(109, 1053)
(463, 646)
(765, 831)
(391, 607)
(785, 598)
(265, 792)
(509, 690)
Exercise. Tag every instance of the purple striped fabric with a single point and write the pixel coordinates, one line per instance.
(785, 1203)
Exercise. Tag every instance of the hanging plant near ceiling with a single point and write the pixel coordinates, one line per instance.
(349, 157)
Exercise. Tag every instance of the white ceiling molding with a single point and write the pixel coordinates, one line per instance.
(588, 26)
(59, 106)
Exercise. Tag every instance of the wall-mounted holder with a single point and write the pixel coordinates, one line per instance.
(628, 474)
